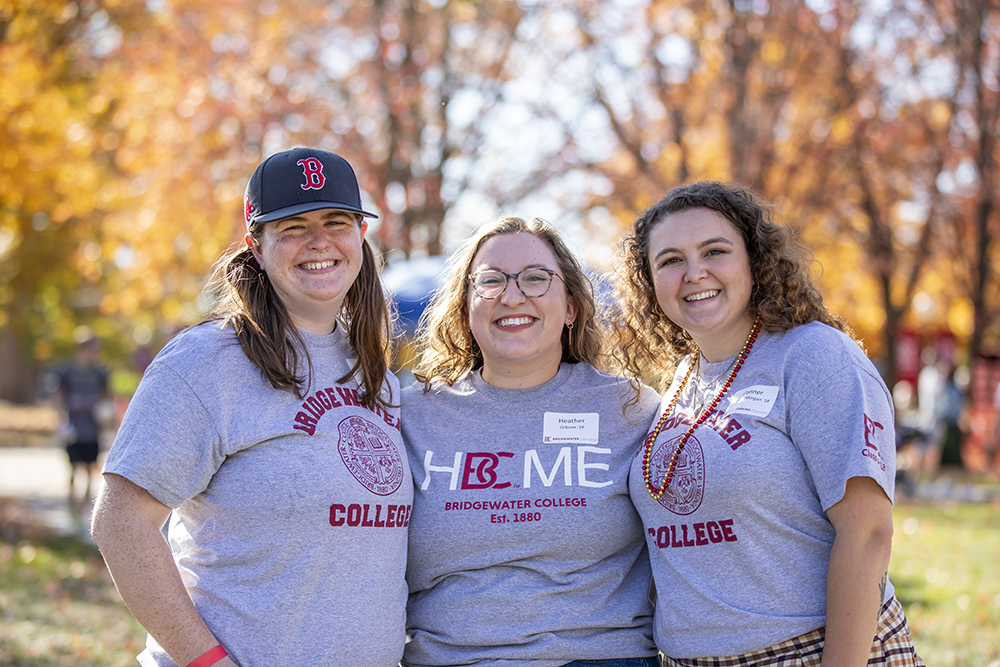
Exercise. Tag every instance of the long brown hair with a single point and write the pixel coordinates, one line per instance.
(250, 305)
(648, 344)
(447, 348)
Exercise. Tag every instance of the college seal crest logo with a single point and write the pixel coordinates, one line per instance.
(370, 455)
(687, 488)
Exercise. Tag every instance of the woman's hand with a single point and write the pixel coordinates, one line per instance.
(856, 578)
(126, 526)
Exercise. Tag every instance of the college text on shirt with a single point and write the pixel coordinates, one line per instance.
(491, 470)
(320, 402)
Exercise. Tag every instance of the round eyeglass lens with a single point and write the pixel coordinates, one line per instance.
(532, 282)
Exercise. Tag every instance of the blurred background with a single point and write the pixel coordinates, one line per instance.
(129, 128)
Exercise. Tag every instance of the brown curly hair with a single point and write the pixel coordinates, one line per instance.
(446, 347)
(647, 344)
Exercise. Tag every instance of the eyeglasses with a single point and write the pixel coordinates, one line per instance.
(535, 282)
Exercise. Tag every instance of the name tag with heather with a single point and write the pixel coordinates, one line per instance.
(582, 427)
(755, 401)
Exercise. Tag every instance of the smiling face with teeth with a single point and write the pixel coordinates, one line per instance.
(312, 260)
(520, 337)
(702, 279)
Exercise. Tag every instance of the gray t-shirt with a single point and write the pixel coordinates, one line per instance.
(289, 521)
(524, 546)
(740, 541)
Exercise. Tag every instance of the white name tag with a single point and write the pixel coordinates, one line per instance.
(581, 427)
(756, 401)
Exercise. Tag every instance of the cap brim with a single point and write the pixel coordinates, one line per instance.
(298, 209)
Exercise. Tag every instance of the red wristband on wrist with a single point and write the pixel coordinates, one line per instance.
(210, 657)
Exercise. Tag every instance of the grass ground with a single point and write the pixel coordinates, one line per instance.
(946, 569)
(59, 608)
(58, 605)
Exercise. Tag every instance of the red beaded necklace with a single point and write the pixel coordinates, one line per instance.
(672, 466)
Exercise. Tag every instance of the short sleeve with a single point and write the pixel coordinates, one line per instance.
(167, 443)
(844, 428)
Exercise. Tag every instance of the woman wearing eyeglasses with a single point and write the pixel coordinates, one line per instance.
(524, 546)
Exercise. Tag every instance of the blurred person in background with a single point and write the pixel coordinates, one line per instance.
(524, 546)
(949, 410)
(910, 437)
(82, 390)
(930, 382)
(269, 434)
(993, 444)
(766, 483)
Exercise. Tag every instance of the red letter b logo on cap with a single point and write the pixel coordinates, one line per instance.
(312, 169)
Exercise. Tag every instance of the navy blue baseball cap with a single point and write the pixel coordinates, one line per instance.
(298, 181)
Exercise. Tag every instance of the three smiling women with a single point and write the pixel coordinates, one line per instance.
(546, 492)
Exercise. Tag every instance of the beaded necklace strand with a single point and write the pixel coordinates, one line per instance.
(700, 394)
(672, 466)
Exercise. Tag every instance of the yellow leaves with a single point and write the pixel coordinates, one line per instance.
(165, 16)
(173, 310)
(62, 212)
(841, 130)
(125, 157)
(109, 304)
(209, 250)
(961, 317)
(711, 160)
(78, 133)
(940, 114)
(128, 304)
(463, 12)
(25, 121)
(9, 239)
(671, 156)
(42, 350)
(154, 143)
(869, 321)
(772, 52)
(97, 104)
(120, 120)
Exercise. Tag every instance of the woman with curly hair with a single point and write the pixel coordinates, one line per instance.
(765, 485)
(524, 546)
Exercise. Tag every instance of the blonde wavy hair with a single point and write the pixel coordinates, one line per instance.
(447, 350)
(647, 345)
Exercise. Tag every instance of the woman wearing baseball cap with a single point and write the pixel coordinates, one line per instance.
(269, 435)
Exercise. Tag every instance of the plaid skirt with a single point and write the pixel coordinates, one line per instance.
(892, 647)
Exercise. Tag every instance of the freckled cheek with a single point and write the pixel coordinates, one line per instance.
(478, 317)
(277, 250)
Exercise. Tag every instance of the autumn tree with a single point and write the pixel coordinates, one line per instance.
(916, 191)
(129, 130)
(829, 108)
(877, 160)
(394, 101)
(165, 108)
(966, 42)
(741, 91)
(53, 167)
